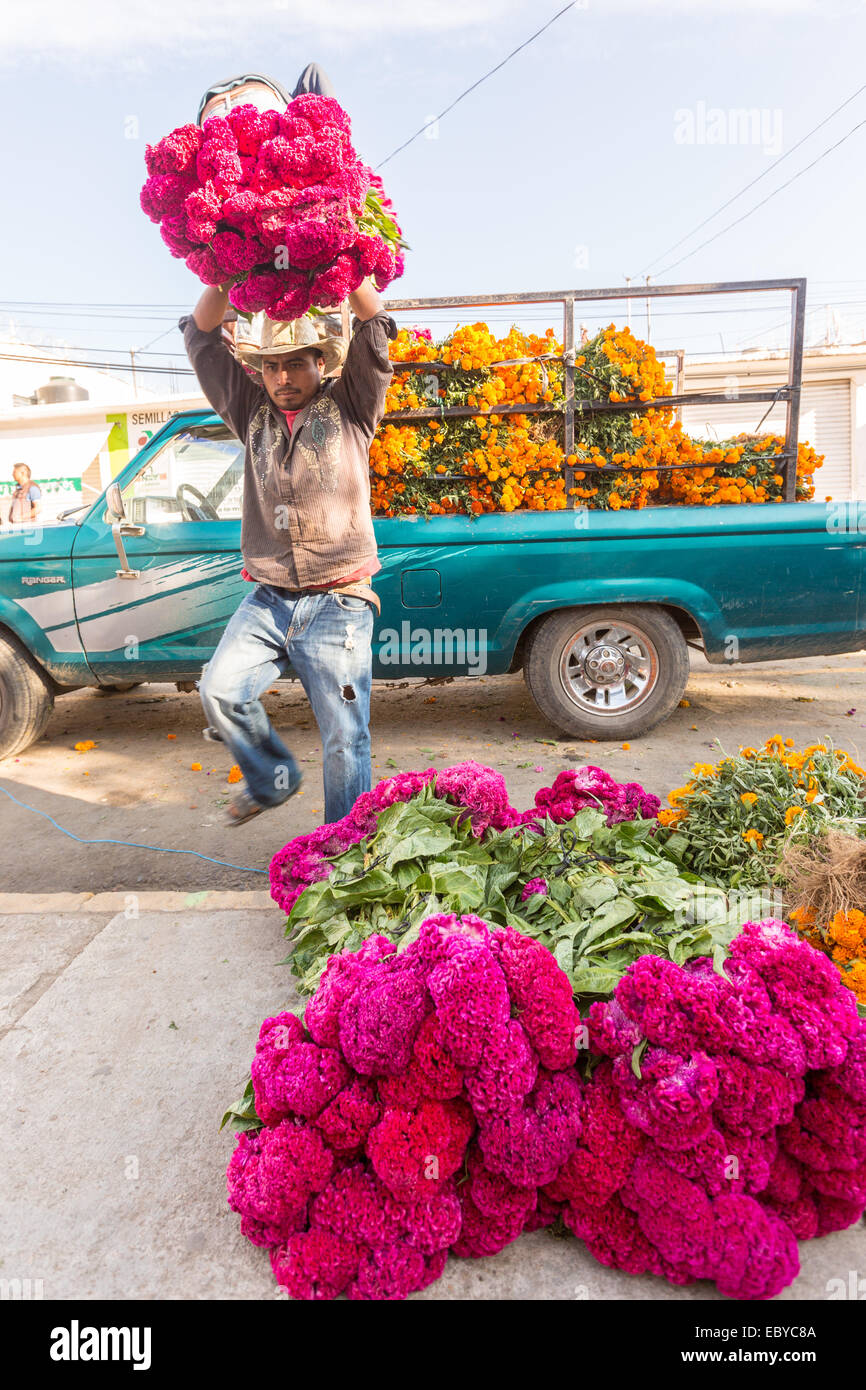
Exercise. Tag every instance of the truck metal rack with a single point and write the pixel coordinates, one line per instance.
(573, 406)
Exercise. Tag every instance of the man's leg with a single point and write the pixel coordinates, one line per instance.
(331, 653)
(251, 655)
(314, 79)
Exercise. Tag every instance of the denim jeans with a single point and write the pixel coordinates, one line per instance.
(326, 639)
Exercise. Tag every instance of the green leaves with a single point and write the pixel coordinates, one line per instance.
(720, 955)
(613, 893)
(595, 890)
(242, 1115)
(420, 841)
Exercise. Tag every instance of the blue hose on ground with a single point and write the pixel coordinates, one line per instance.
(130, 844)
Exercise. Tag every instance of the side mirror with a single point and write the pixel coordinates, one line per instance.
(114, 502)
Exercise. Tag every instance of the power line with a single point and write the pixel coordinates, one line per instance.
(505, 60)
(158, 339)
(434, 316)
(98, 366)
(52, 304)
(163, 354)
(755, 180)
(89, 304)
(761, 204)
(85, 314)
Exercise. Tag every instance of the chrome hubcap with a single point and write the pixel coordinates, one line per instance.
(608, 668)
(604, 665)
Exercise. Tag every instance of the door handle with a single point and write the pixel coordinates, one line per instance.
(119, 529)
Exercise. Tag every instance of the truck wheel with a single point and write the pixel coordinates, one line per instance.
(26, 698)
(611, 672)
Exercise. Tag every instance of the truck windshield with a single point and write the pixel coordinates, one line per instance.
(196, 476)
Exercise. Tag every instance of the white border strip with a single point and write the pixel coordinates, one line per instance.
(205, 900)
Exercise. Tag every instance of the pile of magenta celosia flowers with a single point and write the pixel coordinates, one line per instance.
(479, 793)
(279, 201)
(445, 1098)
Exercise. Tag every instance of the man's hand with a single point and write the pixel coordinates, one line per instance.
(366, 301)
(211, 308)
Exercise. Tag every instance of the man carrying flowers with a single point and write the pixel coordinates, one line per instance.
(307, 540)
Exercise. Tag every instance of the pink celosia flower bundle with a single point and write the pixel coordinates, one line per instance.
(587, 787)
(417, 1110)
(746, 1128)
(279, 202)
(431, 1103)
(481, 795)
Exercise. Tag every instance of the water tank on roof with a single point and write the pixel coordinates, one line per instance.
(60, 390)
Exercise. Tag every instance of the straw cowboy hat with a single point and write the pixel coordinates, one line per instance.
(280, 339)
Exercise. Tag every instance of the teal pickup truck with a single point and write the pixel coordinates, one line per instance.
(599, 609)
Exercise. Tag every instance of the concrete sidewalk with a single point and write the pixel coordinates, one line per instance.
(127, 1024)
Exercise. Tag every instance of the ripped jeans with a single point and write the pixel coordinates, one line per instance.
(326, 639)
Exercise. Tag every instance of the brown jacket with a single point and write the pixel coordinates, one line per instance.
(306, 509)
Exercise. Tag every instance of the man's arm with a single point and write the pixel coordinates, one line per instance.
(363, 382)
(211, 308)
(366, 301)
(228, 388)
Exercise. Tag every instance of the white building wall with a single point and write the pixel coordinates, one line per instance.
(832, 409)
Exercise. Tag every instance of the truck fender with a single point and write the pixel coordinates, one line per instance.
(595, 591)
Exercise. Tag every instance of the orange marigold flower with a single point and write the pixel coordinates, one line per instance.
(676, 796)
(802, 916)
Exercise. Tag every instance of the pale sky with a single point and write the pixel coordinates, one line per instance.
(583, 160)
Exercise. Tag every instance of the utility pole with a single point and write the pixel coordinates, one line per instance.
(132, 352)
(627, 279)
(649, 327)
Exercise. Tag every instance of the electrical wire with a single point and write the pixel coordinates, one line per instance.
(98, 366)
(586, 314)
(752, 182)
(505, 60)
(763, 201)
(17, 311)
(88, 304)
(49, 305)
(157, 339)
(129, 844)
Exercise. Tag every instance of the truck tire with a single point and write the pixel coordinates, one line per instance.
(26, 698)
(610, 672)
